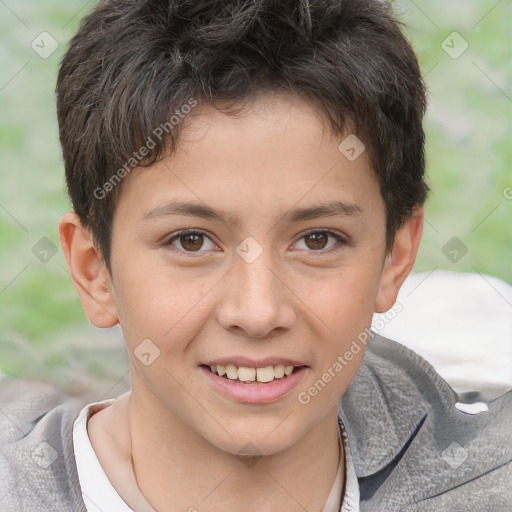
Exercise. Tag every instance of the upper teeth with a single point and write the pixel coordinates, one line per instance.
(266, 374)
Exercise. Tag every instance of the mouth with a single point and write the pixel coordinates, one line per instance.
(252, 375)
(254, 385)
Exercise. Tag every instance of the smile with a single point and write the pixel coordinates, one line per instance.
(256, 385)
(248, 375)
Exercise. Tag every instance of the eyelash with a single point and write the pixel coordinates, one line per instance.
(176, 236)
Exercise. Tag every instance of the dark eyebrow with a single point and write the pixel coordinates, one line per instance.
(331, 209)
(192, 209)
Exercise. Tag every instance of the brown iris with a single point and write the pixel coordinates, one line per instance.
(193, 242)
(319, 240)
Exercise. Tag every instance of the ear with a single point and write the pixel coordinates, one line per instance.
(400, 260)
(89, 273)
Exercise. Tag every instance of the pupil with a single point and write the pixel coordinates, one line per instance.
(196, 242)
(317, 239)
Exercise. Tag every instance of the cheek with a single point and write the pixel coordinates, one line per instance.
(345, 301)
(159, 303)
(345, 308)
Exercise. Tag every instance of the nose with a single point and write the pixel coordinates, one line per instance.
(256, 301)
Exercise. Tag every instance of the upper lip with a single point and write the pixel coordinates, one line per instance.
(247, 362)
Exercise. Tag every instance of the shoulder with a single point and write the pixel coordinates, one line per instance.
(37, 465)
(399, 386)
(398, 367)
(412, 446)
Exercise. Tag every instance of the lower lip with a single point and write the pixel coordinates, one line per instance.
(255, 392)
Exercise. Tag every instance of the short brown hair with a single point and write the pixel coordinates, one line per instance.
(132, 64)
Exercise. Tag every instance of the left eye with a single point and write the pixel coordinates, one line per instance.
(317, 240)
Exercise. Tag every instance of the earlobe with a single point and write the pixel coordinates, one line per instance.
(400, 261)
(88, 271)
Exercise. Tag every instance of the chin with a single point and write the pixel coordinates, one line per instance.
(254, 440)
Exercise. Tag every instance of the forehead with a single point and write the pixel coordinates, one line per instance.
(277, 152)
(265, 114)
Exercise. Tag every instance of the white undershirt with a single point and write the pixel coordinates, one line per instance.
(100, 496)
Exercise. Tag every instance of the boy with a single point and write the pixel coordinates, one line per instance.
(247, 180)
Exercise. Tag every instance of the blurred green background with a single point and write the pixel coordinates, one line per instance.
(44, 332)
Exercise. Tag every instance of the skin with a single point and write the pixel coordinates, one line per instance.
(302, 298)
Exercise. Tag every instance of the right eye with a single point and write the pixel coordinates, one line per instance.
(190, 240)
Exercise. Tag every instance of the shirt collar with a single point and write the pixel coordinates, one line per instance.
(347, 494)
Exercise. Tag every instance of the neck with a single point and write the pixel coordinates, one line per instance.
(173, 464)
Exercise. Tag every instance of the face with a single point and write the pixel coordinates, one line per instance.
(257, 244)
